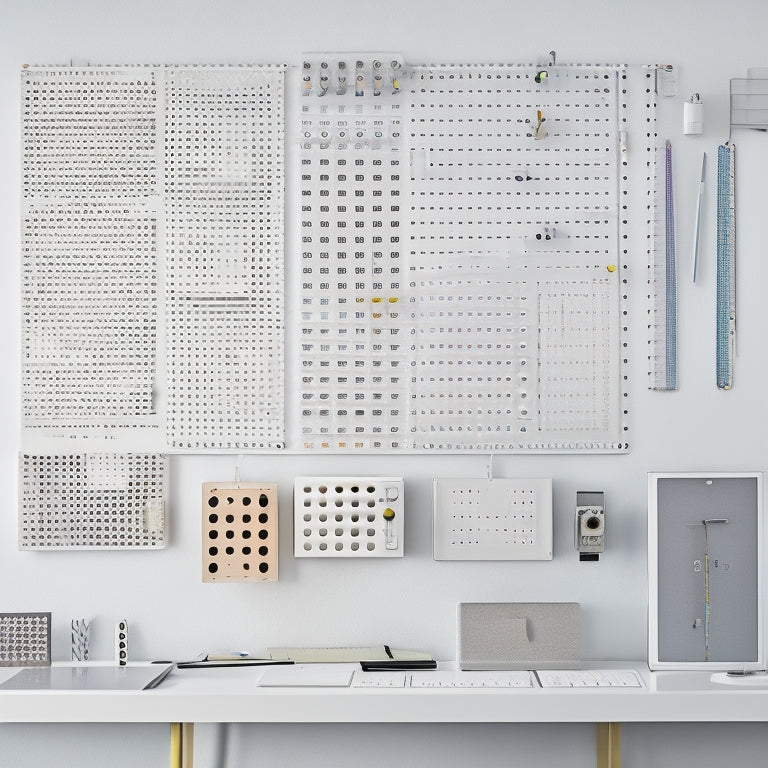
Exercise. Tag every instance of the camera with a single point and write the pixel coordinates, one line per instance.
(590, 524)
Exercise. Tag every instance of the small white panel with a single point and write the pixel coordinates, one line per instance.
(499, 519)
(471, 679)
(348, 517)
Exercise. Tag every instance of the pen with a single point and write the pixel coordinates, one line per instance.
(698, 218)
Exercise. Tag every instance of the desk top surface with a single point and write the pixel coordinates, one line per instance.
(236, 695)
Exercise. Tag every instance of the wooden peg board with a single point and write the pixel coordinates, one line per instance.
(239, 532)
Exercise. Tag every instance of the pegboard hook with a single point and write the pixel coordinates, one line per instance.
(490, 467)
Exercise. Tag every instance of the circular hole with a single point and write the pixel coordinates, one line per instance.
(212, 568)
(307, 518)
(323, 489)
(230, 518)
(263, 517)
(230, 550)
(322, 518)
(355, 531)
(371, 503)
(307, 489)
(371, 518)
(213, 551)
(213, 501)
(246, 566)
(339, 531)
(338, 489)
(263, 551)
(213, 534)
(246, 551)
(307, 503)
(370, 546)
(339, 546)
(355, 489)
(339, 503)
(230, 534)
(246, 534)
(246, 519)
(355, 503)
(371, 531)
(354, 546)
(263, 567)
(307, 546)
(230, 500)
(246, 501)
(339, 518)
(263, 534)
(354, 518)
(323, 546)
(322, 503)
(263, 500)
(213, 518)
(323, 531)
(307, 531)
(370, 489)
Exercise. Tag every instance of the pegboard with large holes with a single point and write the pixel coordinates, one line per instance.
(353, 345)
(92, 501)
(515, 231)
(492, 519)
(25, 639)
(348, 517)
(239, 532)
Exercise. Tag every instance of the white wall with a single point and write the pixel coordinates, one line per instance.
(410, 603)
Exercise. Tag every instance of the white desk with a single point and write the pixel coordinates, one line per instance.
(232, 695)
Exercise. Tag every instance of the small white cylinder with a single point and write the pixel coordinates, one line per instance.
(693, 117)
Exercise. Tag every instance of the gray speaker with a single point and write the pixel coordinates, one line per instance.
(519, 636)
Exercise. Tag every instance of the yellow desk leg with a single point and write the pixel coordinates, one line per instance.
(608, 745)
(182, 745)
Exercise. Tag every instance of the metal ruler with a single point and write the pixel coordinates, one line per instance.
(726, 266)
(663, 279)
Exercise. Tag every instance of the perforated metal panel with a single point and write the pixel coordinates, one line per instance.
(499, 519)
(25, 639)
(348, 517)
(92, 500)
(240, 532)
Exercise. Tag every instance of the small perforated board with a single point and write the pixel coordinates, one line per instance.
(492, 519)
(92, 501)
(25, 639)
(239, 532)
(348, 517)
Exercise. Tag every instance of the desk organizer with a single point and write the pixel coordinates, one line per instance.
(348, 517)
(239, 532)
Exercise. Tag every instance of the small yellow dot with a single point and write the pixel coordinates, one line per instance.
(611, 267)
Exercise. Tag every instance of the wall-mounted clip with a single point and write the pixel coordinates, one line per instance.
(549, 233)
(323, 88)
(342, 77)
(306, 79)
(540, 132)
(395, 72)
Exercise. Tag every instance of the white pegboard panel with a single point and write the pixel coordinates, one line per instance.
(90, 220)
(223, 178)
(92, 501)
(25, 639)
(348, 517)
(240, 532)
(492, 519)
(152, 239)
(353, 345)
(515, 234)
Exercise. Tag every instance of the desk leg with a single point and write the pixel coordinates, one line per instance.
(182, 745)
(608, 745)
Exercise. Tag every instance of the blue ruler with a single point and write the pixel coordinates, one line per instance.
(726, 266)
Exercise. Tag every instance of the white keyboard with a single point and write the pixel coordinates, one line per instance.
(471, 679)
(585, 678)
